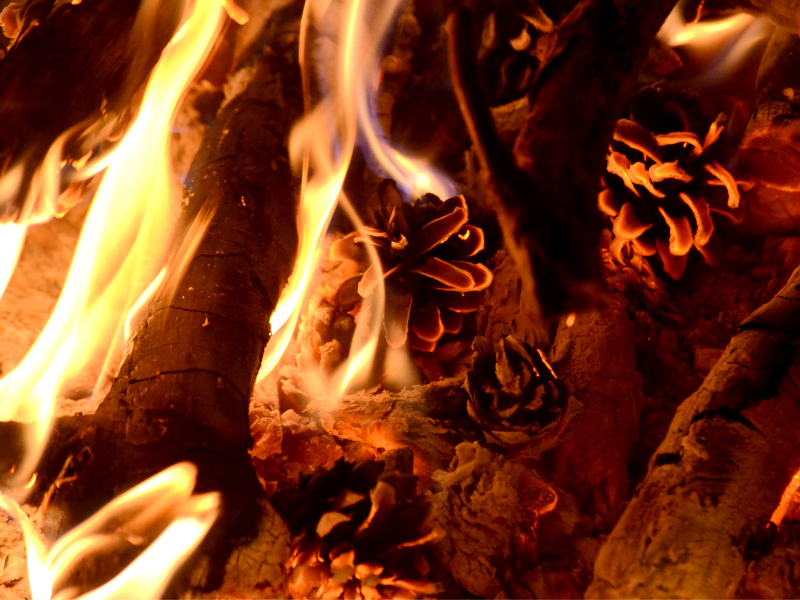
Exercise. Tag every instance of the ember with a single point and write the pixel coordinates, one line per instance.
(359, 299)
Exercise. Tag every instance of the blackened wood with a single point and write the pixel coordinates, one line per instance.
(73, 65)
(715, 480)
(545, 195)
(183, 390)
(596, 357)
(770, 152)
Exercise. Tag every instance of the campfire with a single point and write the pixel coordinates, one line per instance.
(358, 299)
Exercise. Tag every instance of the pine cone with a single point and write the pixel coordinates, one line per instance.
(512, 388)
(422, 247)
(359, 531)
(653, 194)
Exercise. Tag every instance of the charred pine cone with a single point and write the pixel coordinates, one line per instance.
(423, 247)
(512, 388)
(653, 193)
(359, 531)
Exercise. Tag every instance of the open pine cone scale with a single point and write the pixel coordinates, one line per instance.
(360, 531)
(424, 249)
(658, 208)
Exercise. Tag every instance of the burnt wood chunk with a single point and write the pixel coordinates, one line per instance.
(183, 390)
(719, 473)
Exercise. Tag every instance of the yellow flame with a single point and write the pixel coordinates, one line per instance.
(321, 145)
(162, 506)
(331, 124)
(722, 44)
(677, 32)
(123, 243)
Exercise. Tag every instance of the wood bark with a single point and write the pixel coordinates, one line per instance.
(71, 64)
(720, 472)
(545, 194)
(596, 357)
(183, 390)
(769, 150)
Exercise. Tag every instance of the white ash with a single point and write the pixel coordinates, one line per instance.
(481, 512)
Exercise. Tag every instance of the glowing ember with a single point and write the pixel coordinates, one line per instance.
(789, 500)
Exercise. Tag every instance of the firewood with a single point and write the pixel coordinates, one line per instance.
(769, 150)
(390, 420)
(719, 473)
(183, 390)
(545, 193)
(596, 358)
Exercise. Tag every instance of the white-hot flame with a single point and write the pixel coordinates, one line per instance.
(12, 237)
(122, 246)
(721, 45)
(161, 507)
(341, 44)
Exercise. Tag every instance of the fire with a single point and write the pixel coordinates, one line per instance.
(121, 262)
(118, 265)
(123, 246)
(12, 236)
(353, 33)
(789, 500)
(161, 511)
(721, 45)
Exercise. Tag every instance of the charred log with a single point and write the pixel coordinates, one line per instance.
(769, 151)
(183, 390)
(596, 356)
(545, 193)
(720, 472)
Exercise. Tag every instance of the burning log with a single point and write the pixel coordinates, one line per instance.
(544, 195)
(720, 472)
(769, 152)
(183, 390)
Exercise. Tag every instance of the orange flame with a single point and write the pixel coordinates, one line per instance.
(321, 145)
(12, 237)
(722, 45)
(123, 244)
(164, 503)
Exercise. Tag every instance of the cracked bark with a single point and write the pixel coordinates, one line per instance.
(720, 472)
(183, 390)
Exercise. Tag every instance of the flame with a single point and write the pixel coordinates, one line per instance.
(161, 507)
(123, 245)
(12, 237)
(720, 45)
(341, 42)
